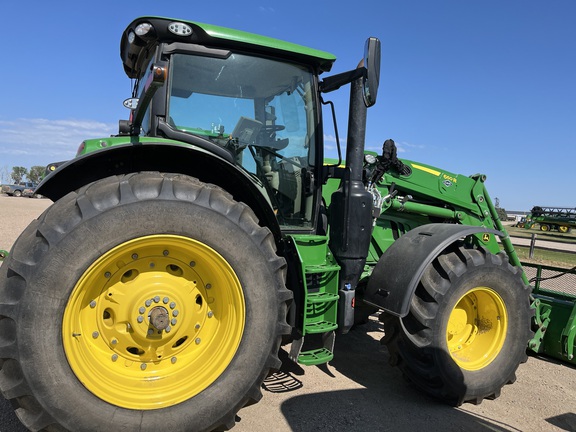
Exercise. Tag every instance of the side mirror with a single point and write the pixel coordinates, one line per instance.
(372, 65)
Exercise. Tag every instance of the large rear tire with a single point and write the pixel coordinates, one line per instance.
(467, 329)
(143, 302)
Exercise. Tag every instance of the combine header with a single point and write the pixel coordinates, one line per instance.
(561, 219)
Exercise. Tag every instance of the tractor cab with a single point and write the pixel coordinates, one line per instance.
(257, 108)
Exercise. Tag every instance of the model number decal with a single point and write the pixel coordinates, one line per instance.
(449, 178)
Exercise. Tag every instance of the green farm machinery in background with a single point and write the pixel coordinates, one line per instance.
(561, 219)
(181, 253)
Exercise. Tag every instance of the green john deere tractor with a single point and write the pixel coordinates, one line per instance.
(179, 254)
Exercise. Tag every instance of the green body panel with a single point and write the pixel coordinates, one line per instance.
(558, 339)
(428, 195)
(264, 41)
(554, 317)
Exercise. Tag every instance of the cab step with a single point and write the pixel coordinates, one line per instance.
(320, 274)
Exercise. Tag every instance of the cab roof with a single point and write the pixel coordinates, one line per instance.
(145, 33)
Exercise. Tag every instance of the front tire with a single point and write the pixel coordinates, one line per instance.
(467, 329)
(141, 302)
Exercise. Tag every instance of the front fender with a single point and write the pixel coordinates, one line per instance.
(163, 157)
(398, 271)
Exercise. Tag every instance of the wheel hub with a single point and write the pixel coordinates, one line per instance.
(159, 318)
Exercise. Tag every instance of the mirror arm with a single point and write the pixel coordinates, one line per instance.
(334, 82)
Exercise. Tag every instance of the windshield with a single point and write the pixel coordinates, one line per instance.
(262, 110)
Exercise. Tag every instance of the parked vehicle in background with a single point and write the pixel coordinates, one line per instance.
(18, 189)
(31, 193)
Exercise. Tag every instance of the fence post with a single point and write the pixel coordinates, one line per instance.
(532, 244)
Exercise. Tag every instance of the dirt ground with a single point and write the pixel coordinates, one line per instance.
(358, 391)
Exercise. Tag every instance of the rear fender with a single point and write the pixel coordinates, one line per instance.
(162, 157)
(398, 271)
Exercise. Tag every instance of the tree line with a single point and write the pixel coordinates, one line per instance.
(19, 173)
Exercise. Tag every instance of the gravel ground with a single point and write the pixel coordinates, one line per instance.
(359, 392)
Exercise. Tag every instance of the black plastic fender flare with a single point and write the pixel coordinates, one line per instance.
(163, 157)
(398, 271)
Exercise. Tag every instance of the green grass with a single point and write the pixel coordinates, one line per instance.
(547, 257)
(542, 235)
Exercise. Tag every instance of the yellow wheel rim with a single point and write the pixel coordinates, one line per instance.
(563, 228)
(544, 228)
(153, 322)
(477, 328)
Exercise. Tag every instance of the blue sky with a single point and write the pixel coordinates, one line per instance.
(468, 86)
